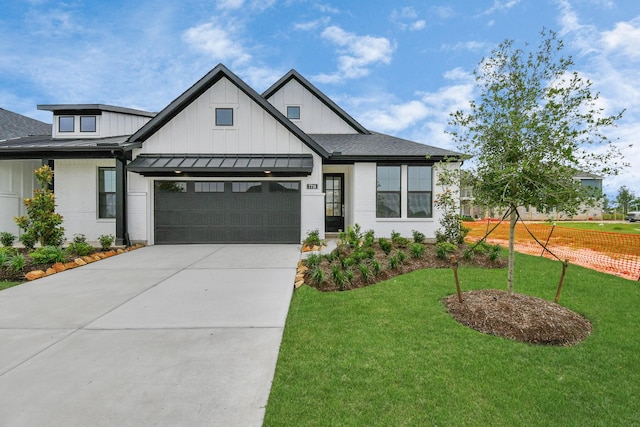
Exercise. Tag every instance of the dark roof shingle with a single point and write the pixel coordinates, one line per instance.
(14, 125)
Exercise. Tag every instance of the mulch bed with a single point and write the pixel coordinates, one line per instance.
(519, 317)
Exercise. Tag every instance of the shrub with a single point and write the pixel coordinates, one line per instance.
(313, 260)
(402, 256)
(16, 262)
(312, 239)
(385, 245)
(417, 250)
(106, 240)
(418, 237)
(394, 262)
(7, 239)
(494, 252)
(365, 272)
(443, 249)
(28, 240)
(47, 255)
(5, 255)
(338, 276)
(376, 267)
(348, 275)
(41, 220)
(369, 238)
(80, 248)
(317, 275)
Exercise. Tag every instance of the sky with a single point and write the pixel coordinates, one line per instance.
(398, 66)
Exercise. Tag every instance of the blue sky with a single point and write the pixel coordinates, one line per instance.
(399, 67)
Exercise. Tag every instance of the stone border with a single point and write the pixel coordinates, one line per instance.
(78, 262)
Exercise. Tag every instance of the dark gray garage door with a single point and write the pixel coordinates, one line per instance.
(227, 212)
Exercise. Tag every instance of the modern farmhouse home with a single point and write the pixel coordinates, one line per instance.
(223, 163)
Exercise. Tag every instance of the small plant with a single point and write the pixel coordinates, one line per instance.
(369, 238)
(365, 272)
(494, 252)
(5, 255)
(418, 237)
(317, 275)
(28, 240)
(354, 235)
(312, 239)
(338, 276)
(348, 275)
(47, 255)
(105, 241)
(376, 267)
(313, 260)
(385, 245)
(7, 239)
(394, 262)
(443, 249)
(16, 262)
(79, 248)
(402, 256)
(417, 250)
(398, 240)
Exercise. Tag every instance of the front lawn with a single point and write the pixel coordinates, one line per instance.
(6, 285)
(610, 227)
(390, 354)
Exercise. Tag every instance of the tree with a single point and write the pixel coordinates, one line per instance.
(41, 222)
(530, 132)
(625, 198)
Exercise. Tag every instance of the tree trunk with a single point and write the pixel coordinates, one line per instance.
(512, 234)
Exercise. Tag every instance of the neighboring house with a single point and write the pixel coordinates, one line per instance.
(16, 176)
(222, 163)
(530, 213)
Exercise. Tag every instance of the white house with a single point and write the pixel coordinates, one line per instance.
(222, 163)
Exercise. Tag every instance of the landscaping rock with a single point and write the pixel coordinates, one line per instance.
(79, 261)
(70, 265)
(50, 271)
(58, 267)
(35, 274)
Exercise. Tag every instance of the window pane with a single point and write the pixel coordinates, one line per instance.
(246, 187)
(388, 178)
(171, 187)
(419, 178)
(388, 205)
(419, 205)
(209, 187)
(224, 116)
(87, 123)
(66, 124)
(107, 180)
(284, 187)
(293, 112)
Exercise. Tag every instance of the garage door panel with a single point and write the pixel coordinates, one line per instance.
(245, 212)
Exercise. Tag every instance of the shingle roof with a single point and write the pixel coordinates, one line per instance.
(14, 125)
(377, 146)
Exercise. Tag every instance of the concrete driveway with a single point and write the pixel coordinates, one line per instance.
(163, 335)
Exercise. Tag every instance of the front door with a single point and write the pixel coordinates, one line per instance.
(333, 202)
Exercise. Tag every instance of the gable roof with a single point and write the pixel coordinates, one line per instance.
(294, 75)
(14, 125)
(377, 146)
(202, 85)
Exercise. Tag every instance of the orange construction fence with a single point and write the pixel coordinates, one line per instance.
(612, 253)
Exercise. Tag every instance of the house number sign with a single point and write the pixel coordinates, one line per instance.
(312, 186)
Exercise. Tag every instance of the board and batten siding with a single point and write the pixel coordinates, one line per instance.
(315, 116)
(76, 190)
(17, 182)
(193, 130)
(108, 123)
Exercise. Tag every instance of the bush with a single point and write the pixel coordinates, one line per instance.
(401, 255)
(494, 252)
(418, 237)
(369, 238)
(417, 250)
(16, 262)
(443, 249)
(47, 255)
(107, 239)
(312, 239)
(28, 240)
(365, 272)
(6, 254)
(7, 239)
(80, 248)
(385, 245)
(317, 275)
(313, 260)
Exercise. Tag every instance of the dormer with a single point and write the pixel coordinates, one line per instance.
(77, 121)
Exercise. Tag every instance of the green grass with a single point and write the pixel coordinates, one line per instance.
(615, 227)
(389, 354)
(7, 285)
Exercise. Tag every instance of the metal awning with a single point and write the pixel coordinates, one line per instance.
(222, 165)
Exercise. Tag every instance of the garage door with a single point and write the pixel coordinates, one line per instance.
(227, 212)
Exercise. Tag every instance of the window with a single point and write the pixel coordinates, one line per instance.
(388, 192)
(171, 186)
(224, 116)
(87, 123)
(284, 187)
(246, 187)
(209, 187)
(419, 192)
(293, 112)
(66, 124)
(106, 193)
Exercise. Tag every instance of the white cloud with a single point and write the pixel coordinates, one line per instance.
(230, 4)
(407, 19)
(499, 6)
(624, 38)
(357, 54)
(472, 46)
(395, 117)
(312, 25)
(218, 42)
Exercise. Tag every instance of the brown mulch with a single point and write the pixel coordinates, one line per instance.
(519, 317)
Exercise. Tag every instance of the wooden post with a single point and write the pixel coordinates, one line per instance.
(454, 266)
(565, 264)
